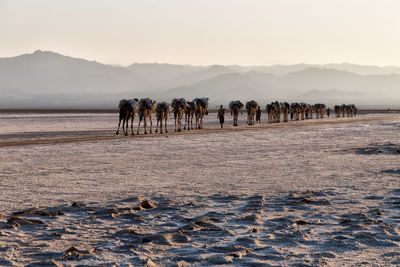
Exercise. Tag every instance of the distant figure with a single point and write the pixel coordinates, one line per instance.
(221, 116)
(258, 115)
(328, 112)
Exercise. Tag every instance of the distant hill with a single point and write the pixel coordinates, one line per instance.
(46, 79)
(219, 88)
(281, 70)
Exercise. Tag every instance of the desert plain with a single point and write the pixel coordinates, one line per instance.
(314, 192)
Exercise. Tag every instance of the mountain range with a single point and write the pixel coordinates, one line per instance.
(46, 79)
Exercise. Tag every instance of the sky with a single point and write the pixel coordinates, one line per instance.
(205, 32)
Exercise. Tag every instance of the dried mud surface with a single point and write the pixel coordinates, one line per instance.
(320, 192)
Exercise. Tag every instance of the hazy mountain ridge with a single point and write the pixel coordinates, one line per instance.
(47, 79)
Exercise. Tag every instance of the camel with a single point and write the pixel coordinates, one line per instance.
(354, 110)
(302, 108)
(344, 110)
(236, 108)
(127, 109)
(274, 112)
(269, 112)
(190, 111)
(277, 111)
(350, 110)
(308, 110)
(146, 108)
(178, 106)
(295, 111)
(285, 108)
(258, 115)
(320, 110)
(251, 107)
(162, 111)
(201, 110)
(338, 110)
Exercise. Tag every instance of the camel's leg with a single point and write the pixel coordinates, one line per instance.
(166, 124)
(198, 122)
(145, 123)
(133, 116)
(119, 123)
(125, 126)
(175, 121)
(180, 117)
(151, 123)
(158, 120)
(140, 120)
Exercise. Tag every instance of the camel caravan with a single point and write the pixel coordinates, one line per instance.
(350, 110)
(198, 108)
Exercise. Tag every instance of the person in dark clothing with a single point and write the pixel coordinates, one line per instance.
(258, 115)
(221, 116)
(328, 112)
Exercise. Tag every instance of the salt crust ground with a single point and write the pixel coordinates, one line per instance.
(325, 194)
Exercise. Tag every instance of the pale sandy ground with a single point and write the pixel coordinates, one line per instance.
(323, 192)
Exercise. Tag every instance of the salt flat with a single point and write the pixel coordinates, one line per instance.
(315, 192)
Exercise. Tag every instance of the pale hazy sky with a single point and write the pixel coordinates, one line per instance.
(205, 32)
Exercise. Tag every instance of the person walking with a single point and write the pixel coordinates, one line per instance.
(221, 115)
(328, 112)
